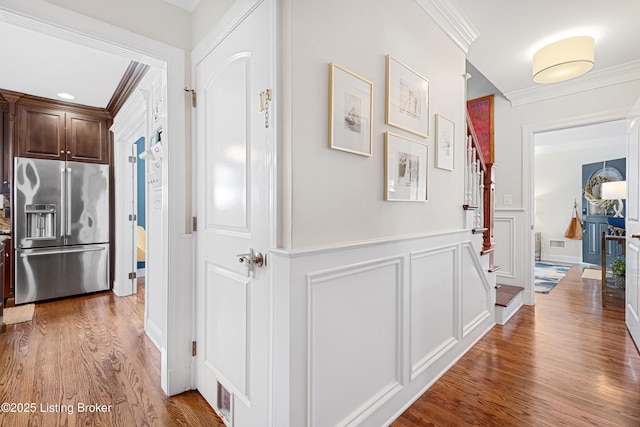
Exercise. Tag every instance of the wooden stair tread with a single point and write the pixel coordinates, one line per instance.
(506, 293)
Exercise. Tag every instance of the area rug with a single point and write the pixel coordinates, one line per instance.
(590, 273)
(548, 276)
(18, 314)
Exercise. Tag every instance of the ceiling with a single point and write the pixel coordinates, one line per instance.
(44, 66)
(502, 51)
(509, 32)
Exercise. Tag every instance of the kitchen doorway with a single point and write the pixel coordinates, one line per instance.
(173, 199)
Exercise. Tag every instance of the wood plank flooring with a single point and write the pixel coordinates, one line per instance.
(567, 361)
(90, 350)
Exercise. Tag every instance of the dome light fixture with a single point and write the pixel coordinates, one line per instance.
(563, 60)
(65, 95)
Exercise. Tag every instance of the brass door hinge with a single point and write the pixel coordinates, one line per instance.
(193, 348)
(193, 96)
(132, 275)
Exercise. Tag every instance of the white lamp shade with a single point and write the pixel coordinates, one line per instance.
(563, 60)
(613, 190)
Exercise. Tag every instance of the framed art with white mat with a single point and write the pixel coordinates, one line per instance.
(407, 98)
(350, 111)
(406, 169)
(445, 142)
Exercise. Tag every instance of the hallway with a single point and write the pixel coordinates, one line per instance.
(566, 361)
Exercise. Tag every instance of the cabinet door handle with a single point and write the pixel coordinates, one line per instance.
(61, 151)
(68, 152)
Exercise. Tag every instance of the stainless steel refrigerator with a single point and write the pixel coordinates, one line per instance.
(61, 228)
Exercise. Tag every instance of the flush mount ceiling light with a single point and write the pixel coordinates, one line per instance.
(563, 60)
(65, 95)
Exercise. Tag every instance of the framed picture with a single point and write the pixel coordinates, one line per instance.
(350, 111)
(445, 142)
(407, 98)
(405, 169)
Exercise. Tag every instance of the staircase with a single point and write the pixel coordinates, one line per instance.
(508, 302)
(479, 205)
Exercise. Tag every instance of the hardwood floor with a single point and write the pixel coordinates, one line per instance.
(565, 361)
(90, 350)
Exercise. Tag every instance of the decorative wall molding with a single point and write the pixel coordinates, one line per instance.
(506, 241)
(450, 18)
(475, 269)
(593, 80)
(439, 271)
(336, 301)
(406, 298)
(316, 251)
(127, 86)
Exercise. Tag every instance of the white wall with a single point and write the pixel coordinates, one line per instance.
(155, 19)
(558, 182)
(337, 197)
(205, 16)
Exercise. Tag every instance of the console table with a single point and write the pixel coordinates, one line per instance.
(610, 290)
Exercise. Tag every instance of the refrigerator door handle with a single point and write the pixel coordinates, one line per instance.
(63, 198)
(68, 202)
(61, 251)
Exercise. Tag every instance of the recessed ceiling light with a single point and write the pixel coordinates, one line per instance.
(65, 95)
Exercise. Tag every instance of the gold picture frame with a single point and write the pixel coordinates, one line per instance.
(445, 142)
(407, 98)
(350, 111)
(406, 169)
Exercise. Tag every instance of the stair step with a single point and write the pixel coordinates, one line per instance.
(506, 293)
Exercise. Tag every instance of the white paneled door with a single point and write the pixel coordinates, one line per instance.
(233, 288)
(632, 297)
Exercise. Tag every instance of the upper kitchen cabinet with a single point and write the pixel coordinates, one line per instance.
(41, 132)
(51, 132)
(87, 138)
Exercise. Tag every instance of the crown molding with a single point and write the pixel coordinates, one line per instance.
(594, 80)
(450, 18)
(128, 84)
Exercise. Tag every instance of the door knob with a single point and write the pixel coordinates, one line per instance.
(252, 260)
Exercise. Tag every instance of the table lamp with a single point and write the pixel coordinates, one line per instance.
(615, 190)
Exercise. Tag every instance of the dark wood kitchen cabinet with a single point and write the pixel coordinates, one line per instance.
(6, 272)
(40, 133)
(47, 132)
(5, 153)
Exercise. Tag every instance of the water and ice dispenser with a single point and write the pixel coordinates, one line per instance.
(41, 220)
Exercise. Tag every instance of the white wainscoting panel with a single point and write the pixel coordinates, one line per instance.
(505, 237)
(227, 297)
(351, 374)
(362, 330)
(435, 287)
(478, 297)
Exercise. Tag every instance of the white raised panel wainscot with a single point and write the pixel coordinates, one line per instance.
(362, 330)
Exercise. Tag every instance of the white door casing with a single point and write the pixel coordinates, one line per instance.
(233, 207)
(632, 294)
